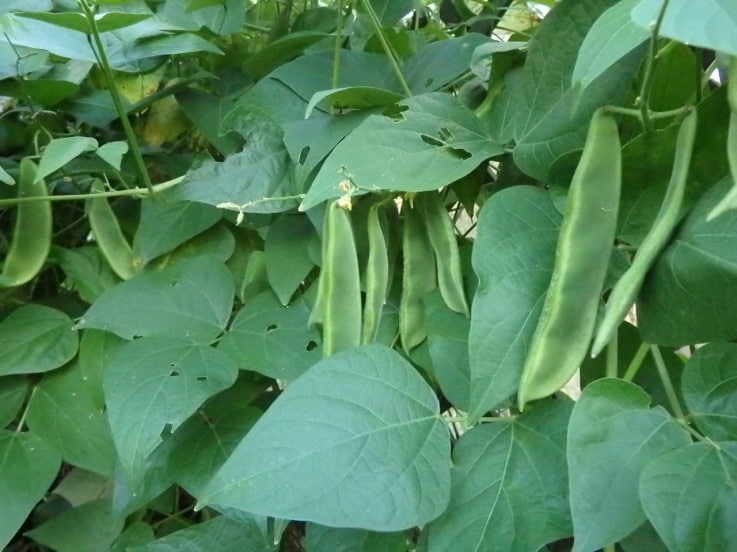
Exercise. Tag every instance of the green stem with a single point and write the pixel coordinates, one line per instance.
(338, 45)
(670, 392)
(698, 436)
(652, 114)
(22, 420)
(634, 366)
(136, 192)
(99, 51)
(611, 358)
(385, 45)
(647, 81)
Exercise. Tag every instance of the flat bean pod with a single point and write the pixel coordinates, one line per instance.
(109, 237)
(625, 291)
(338, 303)
(377, 276)
(447, 256)
(31, 240)
(418, 270)
(566, 323)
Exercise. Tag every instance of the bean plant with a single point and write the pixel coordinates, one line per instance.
(368, 275)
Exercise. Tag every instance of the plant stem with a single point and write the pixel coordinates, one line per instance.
(385, 45)
(647, 81)
(611, 358)
(634, 366)
(135, 192)
(652, 114)
(22, 420)
(338, 45)
(667, 383)
(99, 51)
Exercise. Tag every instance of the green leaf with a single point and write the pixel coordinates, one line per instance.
(217, 242)
(254, 179)
(13, 391)
(509, 485)
(513, 258)
(91, 527)
(206, 111)
(88, 272)
(96, 350)
(61, 151)
(221, 534)
(643, 539)
(152, 386)
(710, 24)
(136, 534)
(108, 21)
(613, 434)
(286, 252)
(279, 52)
(439, 63)
(389, 11)
(164, 225)
(710, 390)
(610, 38)
(330, 539)
(272, 339)
(447, 343)
(5, 178)
(551, 116)
(189, 298)
(35, 338)
(28, 465)
(433, 139)
(682, 300)
(690, 497)
(353, 97)
(197, 450)
(355, 442)
(66, 411)
(112, 153)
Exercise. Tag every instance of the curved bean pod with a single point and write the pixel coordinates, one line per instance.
(32, 232)
(108, 236)
(566, 323)
(448, 259)
(418, 272)
(625, 291)
(377, 276)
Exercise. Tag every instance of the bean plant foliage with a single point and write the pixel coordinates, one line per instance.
(272, 271)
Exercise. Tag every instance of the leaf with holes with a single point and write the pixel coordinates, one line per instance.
(357, 441)
(189, 298)
(152, 386)
(430, 140)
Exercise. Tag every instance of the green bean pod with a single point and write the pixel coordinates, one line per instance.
(109, 238)
(32, 232)
(625, 291)
(447, 256)
(418, 278)
(338, 303)
(566, 324)
(377, 276)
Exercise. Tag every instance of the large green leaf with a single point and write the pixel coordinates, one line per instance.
(67, 411)
(35, 338)
(710, 389)
(551, 116)
(91, 527)
(28, 465)
(610, 38)
(164, 225)
(152, 386)
(271, 339)
(509, 485)
(221, 534)
(287, 256)
(433, 139)
(253, 179)
(191, 298)
(357, 441)
(690, 497)
(13, 390)
(61, 151)
(104, 22)
(613, 434)
(709, 24)
(513, 258)
(683, 300)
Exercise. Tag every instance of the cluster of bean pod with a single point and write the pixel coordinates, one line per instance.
(430, 259)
